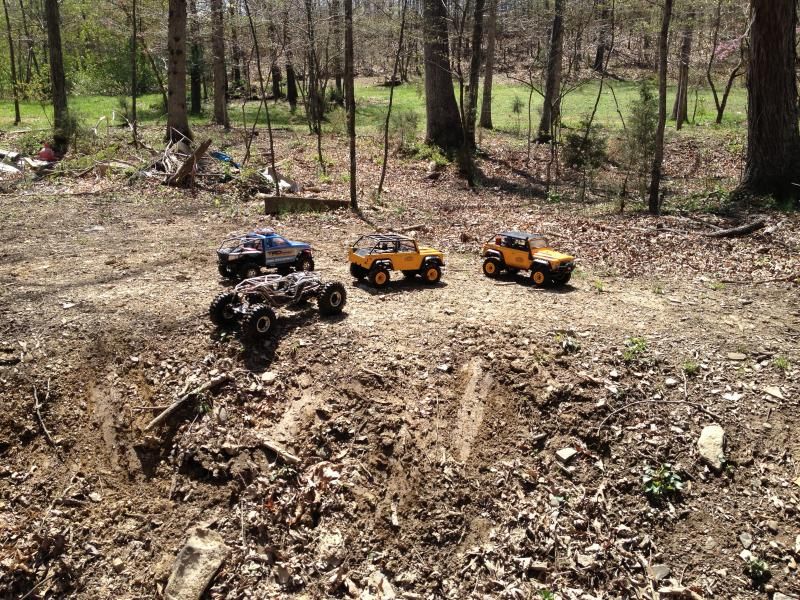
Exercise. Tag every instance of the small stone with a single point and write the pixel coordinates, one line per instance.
(670, 382)
(95, 497)
(772, 526)
(566, 454)
(711, 445)
(746, 555)
(780, 596)
(304, 380)
(746, 540)
(269, 376)
(196, 565)
(797, 544)
(614, 374)
(660, 572)
(444, 368)
(585, 560)
(117, 565)
(775, 392)
(737, 356)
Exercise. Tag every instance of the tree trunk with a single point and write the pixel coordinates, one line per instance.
(720, 104)
(220, 73)
(236, 51)
(156, 72)
(57, 82)
(336, 13)
(196, 65)
(654, 204)
(551, 108)
(13, 66)
(276, 81)
(134, 74)
(31, 52)
(602, 39)
(773, 140)
(486, 105)
(443, 122)
(177, 119)
(350, 98)
(474, 73)
(291, 85)
(680, 107)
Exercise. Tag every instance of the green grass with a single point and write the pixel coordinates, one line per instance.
(372, 101)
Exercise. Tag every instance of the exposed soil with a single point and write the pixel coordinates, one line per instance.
(426, 419)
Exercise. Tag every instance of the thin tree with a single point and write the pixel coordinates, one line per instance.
(57, 81)
(654, 203)
(177, 119)
(551, 107)
(773, 140)
(220, 73)
(391, 97)
(350, 97)
(196, 64)
(134, 79)
(236, 51)
(443, 122)
(31, 53)
(336, 14)
(721, 103)
(474, 74)
(679, 108)
(13, 66)
(488, 70)
(291, 83)
(602, 38)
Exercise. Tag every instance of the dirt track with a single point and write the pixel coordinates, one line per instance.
(436, 410)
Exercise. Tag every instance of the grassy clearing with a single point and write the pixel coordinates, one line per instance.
(373, 100)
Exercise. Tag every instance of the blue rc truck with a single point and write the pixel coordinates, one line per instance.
(243, 257)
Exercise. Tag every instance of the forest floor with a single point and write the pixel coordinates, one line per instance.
(426, 420)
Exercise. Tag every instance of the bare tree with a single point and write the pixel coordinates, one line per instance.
(220, 73)
(658, 159)
(196, 64)
(57, 81)
(488, 71)
(551, 108)
(134, 74)
(721, 103)
(177, 119)
(350, 97)
(13, 66)
(474, 74)
(679, 109)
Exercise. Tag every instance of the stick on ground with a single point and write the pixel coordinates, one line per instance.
(212, 383)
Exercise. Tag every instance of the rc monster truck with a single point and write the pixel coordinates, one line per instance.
(514, 251)
(243, 257)
(252, 303)
(374, 256)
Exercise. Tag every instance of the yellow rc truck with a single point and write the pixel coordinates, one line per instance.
(374, 256)
(514, 251)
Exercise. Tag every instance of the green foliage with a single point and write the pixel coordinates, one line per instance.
(640, 135)
(757, 570)
(569, 345)
(782, 363)
(598, 285)
(429, 152)
(546, 594)
(634, 348)
(691, 367)
(403, 125)
(661, 483)
(585, 148)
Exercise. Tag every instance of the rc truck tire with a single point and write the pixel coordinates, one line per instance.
(357, 271)
(221, 309)
(304, 264)
(332, 299)
(223, 272)
(258, 323)
(431, 274)
(379, 276)
(563, 279)
(492, 267)
(249, 270)
(540, 277)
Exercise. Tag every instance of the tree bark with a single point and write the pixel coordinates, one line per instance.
(220, 73)
(443, 122)
(391, 97)
(680, 107)
(291, 85)
(720, 104)
(336, 14)
(654, 203)
(177, 119)
(773, 140)
(488, 71)
(57, 81)
(474, 73)
(196, 65)
(13, 66)
(350, 98)
(602, 39)
(551, 108)
(31, 52)
(236, 51)
(276, 81)
(134, 74)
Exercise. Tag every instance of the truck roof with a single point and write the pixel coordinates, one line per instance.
(520, 234)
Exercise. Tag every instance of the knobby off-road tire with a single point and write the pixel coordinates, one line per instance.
(492, 267)
(540, 277)
(249, 270)
(304, 264)
(223, 272)
(221, 309)
(431, 274)
(357, 271)
(332, 299)
(379, 277)
(562, 279)
(258, 323)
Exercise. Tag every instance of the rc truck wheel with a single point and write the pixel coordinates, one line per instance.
(304, 264)
(221, 309)
(410, 274)
(357, 271)
(563, 279)
(431, 274)
(258, 323)
(223, 271)
(379, 276)
(250, 270)
(540, 277)
(491, 267)
(332, 299)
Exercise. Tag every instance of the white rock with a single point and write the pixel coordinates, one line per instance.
(195, 565)
(566, 454)
(779, 596)
(269, 376)
(711, 445)
(746, 540)
(670, 382)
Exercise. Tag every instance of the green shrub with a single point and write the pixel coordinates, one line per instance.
(585, 149)
(640, 135)
(403, 125)
(662, 482)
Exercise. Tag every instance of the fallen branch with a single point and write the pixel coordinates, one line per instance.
(699, 407)
(761, 281)
(37, 405)
(212, 383)
(738, 231)
(412, 228)
(284, 455)
(189, 164)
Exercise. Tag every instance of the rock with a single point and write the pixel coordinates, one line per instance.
(330, 550)
(797, 544)
(772, 526)
(566, 454)
(736, 356)
(660, 572)
(746, 555)
(746, 540)
(585, 560)
(670, 382)
(381, 585)
(195, 565)
(780, 596)
(304, 380)
(711, 445)
(269, 376)
(614, 374)
(444, 368)
(775, 392)
(118, 565)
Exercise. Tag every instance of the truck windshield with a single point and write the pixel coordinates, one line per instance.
(537, 242)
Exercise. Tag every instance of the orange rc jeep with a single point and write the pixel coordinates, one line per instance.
(514, 251)
(374, 256)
